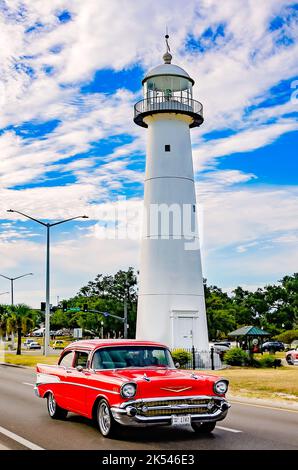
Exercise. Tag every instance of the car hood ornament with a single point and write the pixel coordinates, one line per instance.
(175, 389)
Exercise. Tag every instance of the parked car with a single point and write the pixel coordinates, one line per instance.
(221, 347)
(59, 344)
(273, 346)
(27, 342)
(130, 382)
(292, 357)
(59, 333)
(38, 333)
(33, 345)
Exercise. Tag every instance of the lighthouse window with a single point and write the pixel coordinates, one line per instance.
(167, 148)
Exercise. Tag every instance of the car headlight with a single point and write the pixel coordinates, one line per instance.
(221, 387)
(128, 390)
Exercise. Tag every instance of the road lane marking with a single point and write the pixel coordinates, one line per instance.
(27, 383)
(228, 429)
(263, 406)
(19, 439)
(2, 447)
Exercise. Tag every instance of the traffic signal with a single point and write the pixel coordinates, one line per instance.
(42, 306)
(85, 307)
(64, 306)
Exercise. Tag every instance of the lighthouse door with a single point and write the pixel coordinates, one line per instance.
(184, 332)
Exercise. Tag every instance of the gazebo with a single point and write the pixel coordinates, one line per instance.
(246, 336)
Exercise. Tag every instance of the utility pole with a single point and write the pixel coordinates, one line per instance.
(48, 308)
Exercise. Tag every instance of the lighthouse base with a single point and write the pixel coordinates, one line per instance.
(177, 321)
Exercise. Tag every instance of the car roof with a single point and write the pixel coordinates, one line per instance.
(92, 344)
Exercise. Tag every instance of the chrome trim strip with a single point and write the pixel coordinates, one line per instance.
(177, 407)
(169, 389)
(78, 385)
(190, 397)
(123, 418)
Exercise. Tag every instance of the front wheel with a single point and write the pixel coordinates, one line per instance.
(106, 423)
(203, 428)
(55, 411)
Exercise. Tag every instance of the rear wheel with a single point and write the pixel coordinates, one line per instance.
(106, 423)
(290, 360)
(203, 428)
(55, 411)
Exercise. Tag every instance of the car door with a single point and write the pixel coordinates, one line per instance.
(77, 381)
(62, 390)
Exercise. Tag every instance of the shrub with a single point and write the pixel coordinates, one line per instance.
(270, 361)
(252, 362)
(181, 356)
(236, 357)
(287, 336)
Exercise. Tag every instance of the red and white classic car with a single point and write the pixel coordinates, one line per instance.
(130, 382)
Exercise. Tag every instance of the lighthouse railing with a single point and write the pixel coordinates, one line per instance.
(168, 103)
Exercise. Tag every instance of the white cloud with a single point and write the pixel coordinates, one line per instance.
(41, 73)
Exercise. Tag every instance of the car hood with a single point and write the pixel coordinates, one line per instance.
(161, 382)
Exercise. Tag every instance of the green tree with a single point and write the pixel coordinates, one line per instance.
(105, 294)
(220, 312)
(21, 319)
(283, 301)
(3, 320)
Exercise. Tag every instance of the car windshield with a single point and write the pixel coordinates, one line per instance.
(121, 357)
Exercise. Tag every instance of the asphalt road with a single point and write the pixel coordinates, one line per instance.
(25, 424)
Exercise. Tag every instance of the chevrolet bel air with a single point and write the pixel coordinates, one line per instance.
(130, 382)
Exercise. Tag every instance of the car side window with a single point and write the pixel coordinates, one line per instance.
(81, 359)
(67, 359)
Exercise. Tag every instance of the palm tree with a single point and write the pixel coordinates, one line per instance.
(3, 321)
(21, 319)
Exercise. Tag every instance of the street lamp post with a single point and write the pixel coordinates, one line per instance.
(125, 317)
(12, 279)
(47, 312)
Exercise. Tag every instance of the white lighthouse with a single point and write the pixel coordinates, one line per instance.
(171, 306)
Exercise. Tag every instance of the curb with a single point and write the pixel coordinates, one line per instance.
(18, 366)
(274, 404)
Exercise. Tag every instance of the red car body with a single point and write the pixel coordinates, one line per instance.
(161, 392)
(292, 356)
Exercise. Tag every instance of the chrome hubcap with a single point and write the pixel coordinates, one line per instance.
(104, 418)
(52, 404)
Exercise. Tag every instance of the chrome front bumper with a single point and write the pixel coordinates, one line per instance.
(130, 413)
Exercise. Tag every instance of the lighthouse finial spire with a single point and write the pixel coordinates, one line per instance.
(167, 57)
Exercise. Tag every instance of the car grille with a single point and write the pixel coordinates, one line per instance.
(177, 407)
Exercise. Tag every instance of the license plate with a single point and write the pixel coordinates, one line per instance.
(179, 420)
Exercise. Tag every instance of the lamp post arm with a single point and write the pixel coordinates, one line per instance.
(9, 278)
(68, 220)
(28, 217)
(19, 277)
(107, 314)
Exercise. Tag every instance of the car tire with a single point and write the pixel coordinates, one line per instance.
(54, 410)
(105, 421)
(203, 428)
(289, 360)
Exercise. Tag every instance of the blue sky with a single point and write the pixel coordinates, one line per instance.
(71, 73)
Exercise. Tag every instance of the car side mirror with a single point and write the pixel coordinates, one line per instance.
(177, 365)
(79, 368)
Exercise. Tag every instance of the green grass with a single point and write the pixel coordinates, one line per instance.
(29, 361)
(272, 384)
